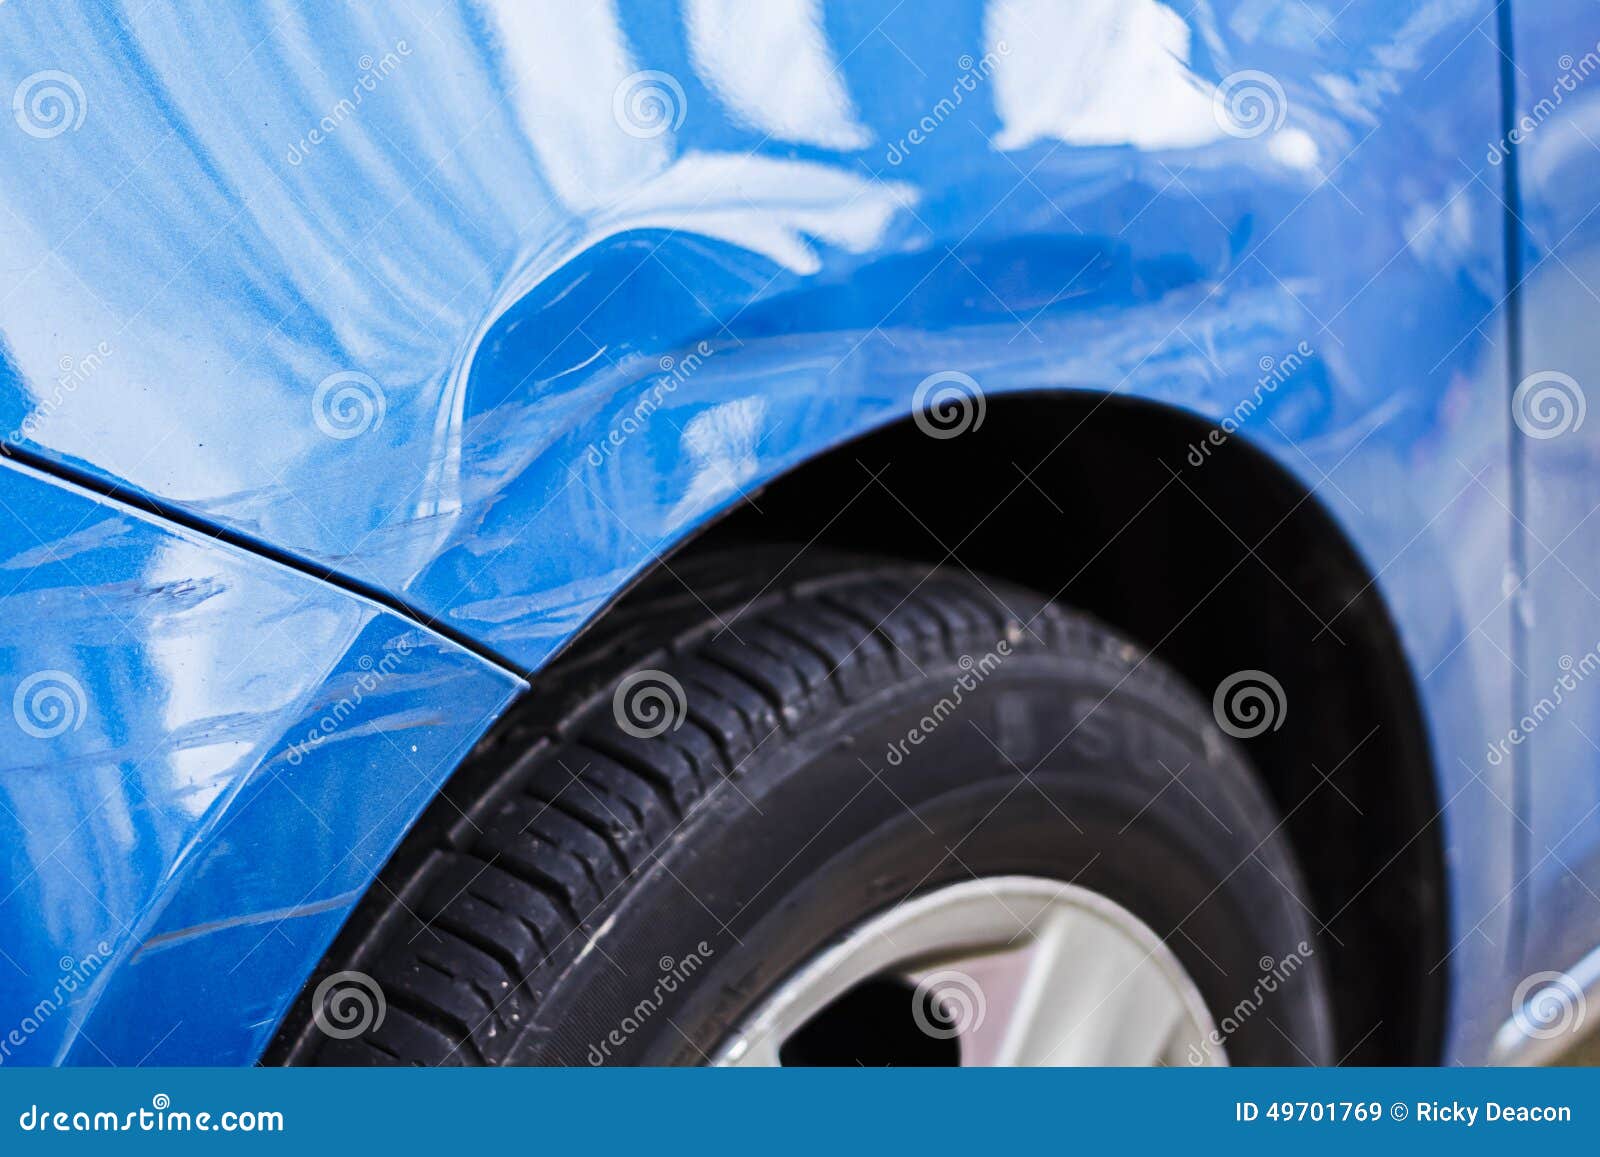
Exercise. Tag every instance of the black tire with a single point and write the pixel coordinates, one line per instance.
(608, 898)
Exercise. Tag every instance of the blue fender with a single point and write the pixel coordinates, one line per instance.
(480, 309)
(204, 758)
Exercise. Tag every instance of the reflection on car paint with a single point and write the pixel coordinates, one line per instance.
(204, 757)
(372, 286)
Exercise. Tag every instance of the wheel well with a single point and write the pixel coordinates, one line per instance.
(1227, 566)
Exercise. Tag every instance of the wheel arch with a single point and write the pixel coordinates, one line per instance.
(1230, 565)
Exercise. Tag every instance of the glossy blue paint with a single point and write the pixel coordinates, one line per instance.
(426, 299)
(1557, 95)
(203, 759)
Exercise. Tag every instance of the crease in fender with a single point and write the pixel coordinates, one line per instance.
(316, 908)
(137, 500)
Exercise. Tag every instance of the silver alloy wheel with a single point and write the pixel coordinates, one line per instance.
(1019, 970)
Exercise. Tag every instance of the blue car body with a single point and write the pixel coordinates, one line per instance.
(353, 358)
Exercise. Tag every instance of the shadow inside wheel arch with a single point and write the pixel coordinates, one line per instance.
(1100, 525)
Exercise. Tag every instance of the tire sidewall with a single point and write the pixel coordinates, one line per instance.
(1079, 768)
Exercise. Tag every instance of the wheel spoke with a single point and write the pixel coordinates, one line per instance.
(997, 990)
(1092, 997)
(1006, 971)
